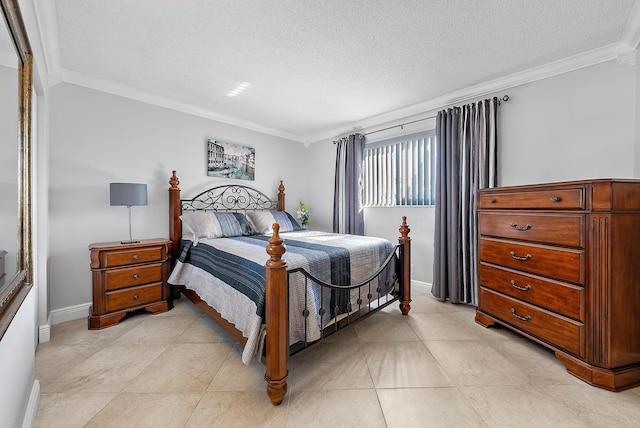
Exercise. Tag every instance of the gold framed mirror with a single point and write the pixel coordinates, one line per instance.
(19, 278)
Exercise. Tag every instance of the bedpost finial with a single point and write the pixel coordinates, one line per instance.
(275, 248)
(404, 228)
(173, 181)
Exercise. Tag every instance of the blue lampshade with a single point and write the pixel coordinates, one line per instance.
(128, 194)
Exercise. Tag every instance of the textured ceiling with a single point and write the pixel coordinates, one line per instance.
(317, 67)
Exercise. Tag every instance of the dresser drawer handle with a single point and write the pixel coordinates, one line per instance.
(521, 228)
(135, 257)
(525, 288)
(555, 199)
(520, 317)
(522, 259)
(492, 201)
(136, 276)
(135, 297)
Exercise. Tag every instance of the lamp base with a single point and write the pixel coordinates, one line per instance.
(130, 242)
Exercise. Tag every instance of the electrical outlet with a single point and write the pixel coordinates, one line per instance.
(412, 269)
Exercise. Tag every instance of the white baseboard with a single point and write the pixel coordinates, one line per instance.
(70, 313)
(421, 286)
(32, 406)
(44, 331)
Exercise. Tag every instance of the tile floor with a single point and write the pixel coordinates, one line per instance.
(433, 368)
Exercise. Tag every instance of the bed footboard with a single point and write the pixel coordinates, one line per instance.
(277, 309)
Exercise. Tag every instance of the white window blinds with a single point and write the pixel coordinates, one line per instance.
(400, 171)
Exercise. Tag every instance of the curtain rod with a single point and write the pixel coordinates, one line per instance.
(504, 98)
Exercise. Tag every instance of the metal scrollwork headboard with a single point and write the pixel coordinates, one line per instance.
(229, 198)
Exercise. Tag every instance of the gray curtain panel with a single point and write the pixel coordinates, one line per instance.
(466, 161)
(348, 216)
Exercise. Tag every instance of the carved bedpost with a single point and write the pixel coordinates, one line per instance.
(405, 249)
(175, 232)
(276, 319)
(281, 196)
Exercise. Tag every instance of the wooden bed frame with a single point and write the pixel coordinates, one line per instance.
(276, 300)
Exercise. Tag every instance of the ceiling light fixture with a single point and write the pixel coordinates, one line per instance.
(241, 87)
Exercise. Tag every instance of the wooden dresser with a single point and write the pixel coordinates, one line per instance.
(128, 277)
(560, 264)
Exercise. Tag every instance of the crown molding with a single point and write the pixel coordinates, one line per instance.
(618, 51)
(631, 33)
(130, 92)
(628, 58)
(47, 23)
(565, 65)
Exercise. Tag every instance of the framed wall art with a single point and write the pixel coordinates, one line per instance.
(228, 160)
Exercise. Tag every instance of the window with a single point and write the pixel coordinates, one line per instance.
(400, 171)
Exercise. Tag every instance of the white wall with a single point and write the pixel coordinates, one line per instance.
(98, 138)
(17, 364)
(578, 125)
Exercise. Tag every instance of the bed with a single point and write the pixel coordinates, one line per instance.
(228, 255)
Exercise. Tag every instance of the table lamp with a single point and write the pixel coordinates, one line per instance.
(128, 194)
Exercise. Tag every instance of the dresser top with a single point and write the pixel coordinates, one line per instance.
(605, 194)
(605, 181)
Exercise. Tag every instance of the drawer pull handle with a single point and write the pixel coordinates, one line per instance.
(136, 276)
(492, 201)
(521, 228)
(555, 199)
(525, 288)
(135, 257)
(522, 259)
(135, 297)
(520, 317)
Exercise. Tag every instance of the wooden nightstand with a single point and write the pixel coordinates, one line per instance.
(128, 277)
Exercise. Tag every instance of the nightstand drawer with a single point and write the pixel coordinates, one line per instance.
(131, 256)
(559, 331)
(135, 296)
(562, 298)
(136, 275)
(555, 262)
(565, 230)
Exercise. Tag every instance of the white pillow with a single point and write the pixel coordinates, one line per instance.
(201, 224)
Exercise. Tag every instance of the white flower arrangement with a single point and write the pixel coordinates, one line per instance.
(303, 214)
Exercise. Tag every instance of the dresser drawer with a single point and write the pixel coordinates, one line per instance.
(134, 296)
(566, 230)
(564, 299)
(555, 262)
(127, 257)
(559, 331)
(136, 275)
(559, 199)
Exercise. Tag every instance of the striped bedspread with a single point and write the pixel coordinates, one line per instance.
(229, 274)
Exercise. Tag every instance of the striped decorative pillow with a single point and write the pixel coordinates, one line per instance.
(263, 220)
(207, 224)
